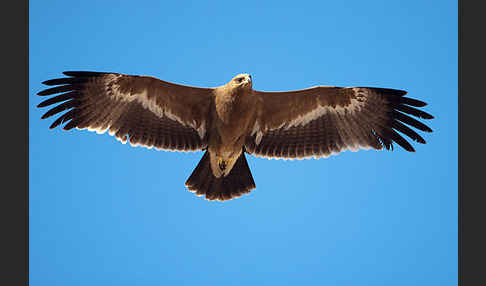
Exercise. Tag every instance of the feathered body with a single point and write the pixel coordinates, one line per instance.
(232, 119)
(234, 116)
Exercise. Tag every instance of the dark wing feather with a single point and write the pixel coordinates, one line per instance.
(321, 121)
(142, 110)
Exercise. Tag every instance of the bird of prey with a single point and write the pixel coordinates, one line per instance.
(233, 119)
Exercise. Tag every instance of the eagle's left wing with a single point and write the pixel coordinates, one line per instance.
(144, 110)
(321, 121)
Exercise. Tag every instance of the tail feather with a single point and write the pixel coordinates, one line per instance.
(238, 182)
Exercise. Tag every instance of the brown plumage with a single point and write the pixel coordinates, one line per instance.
(231, 120)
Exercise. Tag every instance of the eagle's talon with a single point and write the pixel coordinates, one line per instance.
(222, 164)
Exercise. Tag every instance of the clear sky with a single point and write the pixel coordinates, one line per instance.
(104, 213)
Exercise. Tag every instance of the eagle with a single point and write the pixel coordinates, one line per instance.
(233, 119)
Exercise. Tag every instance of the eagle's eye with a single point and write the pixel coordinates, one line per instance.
(240, 79)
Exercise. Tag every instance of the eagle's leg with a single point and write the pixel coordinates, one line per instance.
(222, 164)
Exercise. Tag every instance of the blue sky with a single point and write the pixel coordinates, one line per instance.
(106, 213)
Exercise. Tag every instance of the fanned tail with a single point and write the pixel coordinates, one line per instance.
(238, 182)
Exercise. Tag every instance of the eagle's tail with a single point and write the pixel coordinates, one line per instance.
(238, 182)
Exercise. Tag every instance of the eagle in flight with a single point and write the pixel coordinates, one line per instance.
(233, 119)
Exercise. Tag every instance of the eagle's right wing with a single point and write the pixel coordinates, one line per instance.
(143, 110)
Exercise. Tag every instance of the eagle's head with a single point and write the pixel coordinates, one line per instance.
(242, 80)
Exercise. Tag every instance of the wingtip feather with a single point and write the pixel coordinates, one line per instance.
(83, 73)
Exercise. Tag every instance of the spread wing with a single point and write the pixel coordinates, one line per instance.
(144, 110)
(321, 121)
